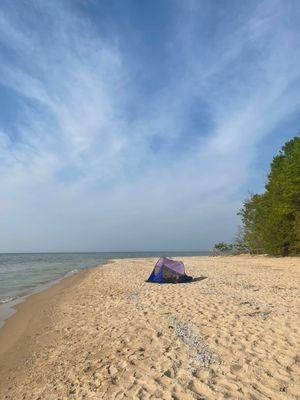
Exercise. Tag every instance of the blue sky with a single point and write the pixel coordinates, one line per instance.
(140, 125)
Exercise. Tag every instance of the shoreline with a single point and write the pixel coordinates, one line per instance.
(106, 333)
(28, 317)
(8, 305)
(9, 308)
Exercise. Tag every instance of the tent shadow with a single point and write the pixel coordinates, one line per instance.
(197, 279)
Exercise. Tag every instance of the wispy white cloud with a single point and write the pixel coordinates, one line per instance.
(83, 175)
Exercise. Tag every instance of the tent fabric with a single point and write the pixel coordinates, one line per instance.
(169, 271)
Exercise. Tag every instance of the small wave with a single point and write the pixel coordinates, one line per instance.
(7, 299)
(73, 271)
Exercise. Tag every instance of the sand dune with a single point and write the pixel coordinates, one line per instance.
(234, 333)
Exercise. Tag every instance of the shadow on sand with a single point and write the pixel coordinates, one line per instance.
(197, 279)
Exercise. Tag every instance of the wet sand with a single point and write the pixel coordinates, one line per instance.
(107, 334)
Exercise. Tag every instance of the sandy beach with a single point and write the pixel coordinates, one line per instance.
(107, 334)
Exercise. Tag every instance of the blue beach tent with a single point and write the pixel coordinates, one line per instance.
(169, 271)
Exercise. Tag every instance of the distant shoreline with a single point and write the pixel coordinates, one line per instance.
(195, 252)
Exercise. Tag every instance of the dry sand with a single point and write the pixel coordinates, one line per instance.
(106, 334)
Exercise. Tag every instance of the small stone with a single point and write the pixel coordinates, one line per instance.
(112, 370)
(169, 373)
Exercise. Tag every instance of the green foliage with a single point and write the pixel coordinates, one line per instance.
(271, 221)
(240, 246)
(223, 247)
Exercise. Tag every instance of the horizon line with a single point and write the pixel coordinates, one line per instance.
(113, 251)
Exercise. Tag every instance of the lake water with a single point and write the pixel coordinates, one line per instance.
(23, 274)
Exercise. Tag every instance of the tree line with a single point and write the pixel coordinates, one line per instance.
(271, 220)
